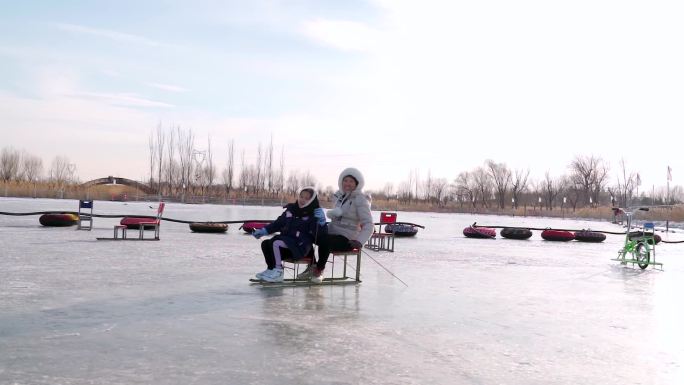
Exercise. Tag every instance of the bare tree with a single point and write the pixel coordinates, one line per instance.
(228, 173)
(408, 192)
(416, 182)
(551, 188)
(171, 166)
(61, 173)
(625, 186)
(599, 182)
(466, 188)
(439, 187)
(10, 163)
(307, 179)
(33, 167)
(244, 172)
(292, 183)
(573, 193)
(210, 168)
(427, 189)
(160, 157)
(186, 148)
(584, 171)
(501, 176)
(404, 192)
(388, 190)
(279, 178)
(268, 166)
(519, 185)
(258, 182)
(484, 185)
(153, 156)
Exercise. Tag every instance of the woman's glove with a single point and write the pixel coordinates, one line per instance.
(319, 213)
(335, 213)
(259, 233)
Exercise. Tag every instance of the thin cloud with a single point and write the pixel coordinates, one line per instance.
(342, 34)
(167, 87)
(112, 35)
(123, 99)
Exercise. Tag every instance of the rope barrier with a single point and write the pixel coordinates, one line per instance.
(475, 226)
(399, 223)
(165, 218)
(548, 228)
(132, 215)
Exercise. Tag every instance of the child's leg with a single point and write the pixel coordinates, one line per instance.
(279, 250)
(267, 249)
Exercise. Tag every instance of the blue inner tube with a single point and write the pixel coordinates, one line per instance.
(401, 230)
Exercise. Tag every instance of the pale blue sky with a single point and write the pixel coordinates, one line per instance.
(385, 86)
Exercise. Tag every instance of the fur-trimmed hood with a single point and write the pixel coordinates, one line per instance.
(313, 196)
(354, 173)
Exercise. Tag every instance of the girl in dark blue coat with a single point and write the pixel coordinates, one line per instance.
(299, 225)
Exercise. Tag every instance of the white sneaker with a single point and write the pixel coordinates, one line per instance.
(316, 276)
(306, 274)
(275, 275)
(261, 275)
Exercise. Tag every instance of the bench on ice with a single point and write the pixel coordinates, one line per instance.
(343, 278)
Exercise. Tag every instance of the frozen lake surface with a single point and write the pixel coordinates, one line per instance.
(74, 310)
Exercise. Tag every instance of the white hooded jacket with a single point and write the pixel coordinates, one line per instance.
(351, 216)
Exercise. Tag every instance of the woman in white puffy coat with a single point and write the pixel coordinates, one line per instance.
(351, 221)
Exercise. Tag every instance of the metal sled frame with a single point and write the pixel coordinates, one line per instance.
(344, 279)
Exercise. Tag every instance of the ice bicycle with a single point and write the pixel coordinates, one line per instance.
(639, 247)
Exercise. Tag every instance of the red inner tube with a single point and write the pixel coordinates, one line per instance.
(557, 235)
(479, 232)
(134, 222)
(249, 227)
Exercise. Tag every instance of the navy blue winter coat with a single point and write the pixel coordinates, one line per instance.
(298, 232)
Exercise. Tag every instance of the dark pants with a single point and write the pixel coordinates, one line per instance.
(267, 249)
(328, 243)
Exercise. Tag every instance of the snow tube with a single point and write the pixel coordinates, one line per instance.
(249, 227)
(134, 222)
(516, 233)
(58, 220)
(208, 227)
(635, 234)
(589, 236)
(557, 235)
(400, 230)
(479, 232)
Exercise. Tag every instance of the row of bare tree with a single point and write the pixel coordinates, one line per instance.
(179, 167)
(495, 185)
(20, 166)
